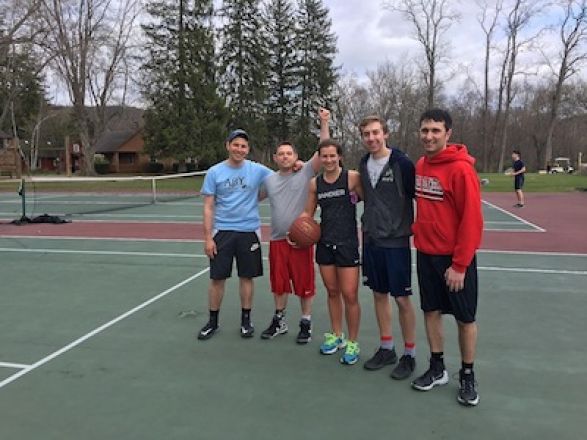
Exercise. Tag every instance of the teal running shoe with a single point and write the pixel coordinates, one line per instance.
(332, 343)
(351, 354)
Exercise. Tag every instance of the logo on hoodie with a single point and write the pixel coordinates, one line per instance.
(429, 188)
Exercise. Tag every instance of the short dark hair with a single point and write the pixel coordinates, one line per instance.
(437, 115)
(293, 147)
(517, 152)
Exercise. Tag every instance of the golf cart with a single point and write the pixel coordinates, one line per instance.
(561, 165)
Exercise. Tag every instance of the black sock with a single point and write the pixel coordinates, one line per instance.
(245, 316)
(214, 317)
(467, 368)
(280, 313)
(437, 358)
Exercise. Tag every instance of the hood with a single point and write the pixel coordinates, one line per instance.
(452, 153)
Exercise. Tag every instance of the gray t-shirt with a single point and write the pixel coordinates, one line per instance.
(287, 196)
(374, 168)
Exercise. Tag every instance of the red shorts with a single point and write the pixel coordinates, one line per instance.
(291, 266)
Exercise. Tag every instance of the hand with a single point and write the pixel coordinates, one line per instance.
(210, 248)
(324, 114)
(455, 281)
(291, 243)
(297, 166)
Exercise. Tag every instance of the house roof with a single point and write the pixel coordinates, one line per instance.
(112, 141)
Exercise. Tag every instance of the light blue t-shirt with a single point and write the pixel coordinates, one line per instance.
(236, 195)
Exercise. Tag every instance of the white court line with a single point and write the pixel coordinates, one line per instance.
(533, 253)
(13, 365)
(529, 270)
(514, 216)
(120, 239)
(98, 330)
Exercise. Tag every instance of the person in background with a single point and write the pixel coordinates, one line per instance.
(519, 169)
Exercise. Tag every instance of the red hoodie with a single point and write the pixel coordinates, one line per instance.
(448, 199)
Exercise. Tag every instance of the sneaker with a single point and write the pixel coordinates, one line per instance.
(278, 326)
(405, 368)
(247, 330)
(435, 375)
(467, 393)
(208, 331)
(332, 343)
(305, 334)
(380, 359)
(351, 353)
(518, 205)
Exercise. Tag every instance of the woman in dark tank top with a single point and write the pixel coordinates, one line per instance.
(336, 191)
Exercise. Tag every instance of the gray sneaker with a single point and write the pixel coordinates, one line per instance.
(434, 376)
(405, 367)
(278, 326)
(380, 359)
(467, 393)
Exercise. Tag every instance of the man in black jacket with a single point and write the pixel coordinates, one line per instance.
(388, 179)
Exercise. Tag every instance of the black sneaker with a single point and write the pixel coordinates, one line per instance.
(467, 393)
(278, 326)
(435, 375)
(380, 359)
(305, 334)
(247, 330)
(405, 368)
(207, 331)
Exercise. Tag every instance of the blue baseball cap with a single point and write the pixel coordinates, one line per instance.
(237, 133)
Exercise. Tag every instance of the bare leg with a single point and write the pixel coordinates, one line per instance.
(215, 294)
(434, 331)
(407, 318)
(329, 277)
(467, 341)
(280, 301)
(382, 313)
(349, 281)
(306, 304)
(246, 292)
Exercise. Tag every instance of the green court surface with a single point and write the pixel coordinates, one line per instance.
(97, 341)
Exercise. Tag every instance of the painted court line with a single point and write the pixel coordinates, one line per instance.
(514, 216)
(13, 365)
(98, 330)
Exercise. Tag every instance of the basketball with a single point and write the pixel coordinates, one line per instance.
(304, 232)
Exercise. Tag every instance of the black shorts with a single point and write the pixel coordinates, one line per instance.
(519, 181)
(337, 255)
(245, 247)
(434, 293)
(387, 270)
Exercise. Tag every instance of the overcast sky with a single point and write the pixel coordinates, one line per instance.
(369, 34)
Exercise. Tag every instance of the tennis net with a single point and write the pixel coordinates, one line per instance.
(79, 196)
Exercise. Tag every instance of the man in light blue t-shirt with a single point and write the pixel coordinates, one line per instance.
(232, 228)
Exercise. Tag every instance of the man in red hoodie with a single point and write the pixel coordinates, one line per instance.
(447, 233)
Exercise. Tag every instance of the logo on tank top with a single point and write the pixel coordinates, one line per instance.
(429, 188)
(331, 194)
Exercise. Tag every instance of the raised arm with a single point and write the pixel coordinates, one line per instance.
(312, 201)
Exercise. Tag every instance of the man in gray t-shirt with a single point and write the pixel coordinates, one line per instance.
(291, 268)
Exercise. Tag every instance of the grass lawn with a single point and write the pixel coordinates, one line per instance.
(535, 182)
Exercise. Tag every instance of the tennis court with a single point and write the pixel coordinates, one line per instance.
(99, 319)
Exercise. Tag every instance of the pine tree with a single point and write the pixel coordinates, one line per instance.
(316, 44)
(282, 69)
(186, 116)
(243, 68)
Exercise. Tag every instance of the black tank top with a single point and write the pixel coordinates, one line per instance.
(338, 214)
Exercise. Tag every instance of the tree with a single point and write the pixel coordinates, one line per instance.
(243, 67)
(573, 36)
(282, 68)
(186, 117)
(317, 74)
(88, 42)
(431, 19)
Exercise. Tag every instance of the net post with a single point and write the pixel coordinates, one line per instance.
(154, 191)
(22, 194)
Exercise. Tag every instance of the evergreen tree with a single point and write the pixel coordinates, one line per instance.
(282, 67)
(186, 116)
(243, 67)
(316, 44)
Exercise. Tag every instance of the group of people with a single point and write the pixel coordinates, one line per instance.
(447, 231)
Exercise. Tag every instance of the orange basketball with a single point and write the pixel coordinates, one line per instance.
(304, 232)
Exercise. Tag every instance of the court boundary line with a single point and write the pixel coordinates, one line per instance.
(13, 365)
(98, 330)
(505, 211)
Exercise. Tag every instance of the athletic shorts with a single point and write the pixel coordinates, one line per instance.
(519, 181)
(337, 255)
(434, 293)
(291, 269)
(245, 247)
(387, 270)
